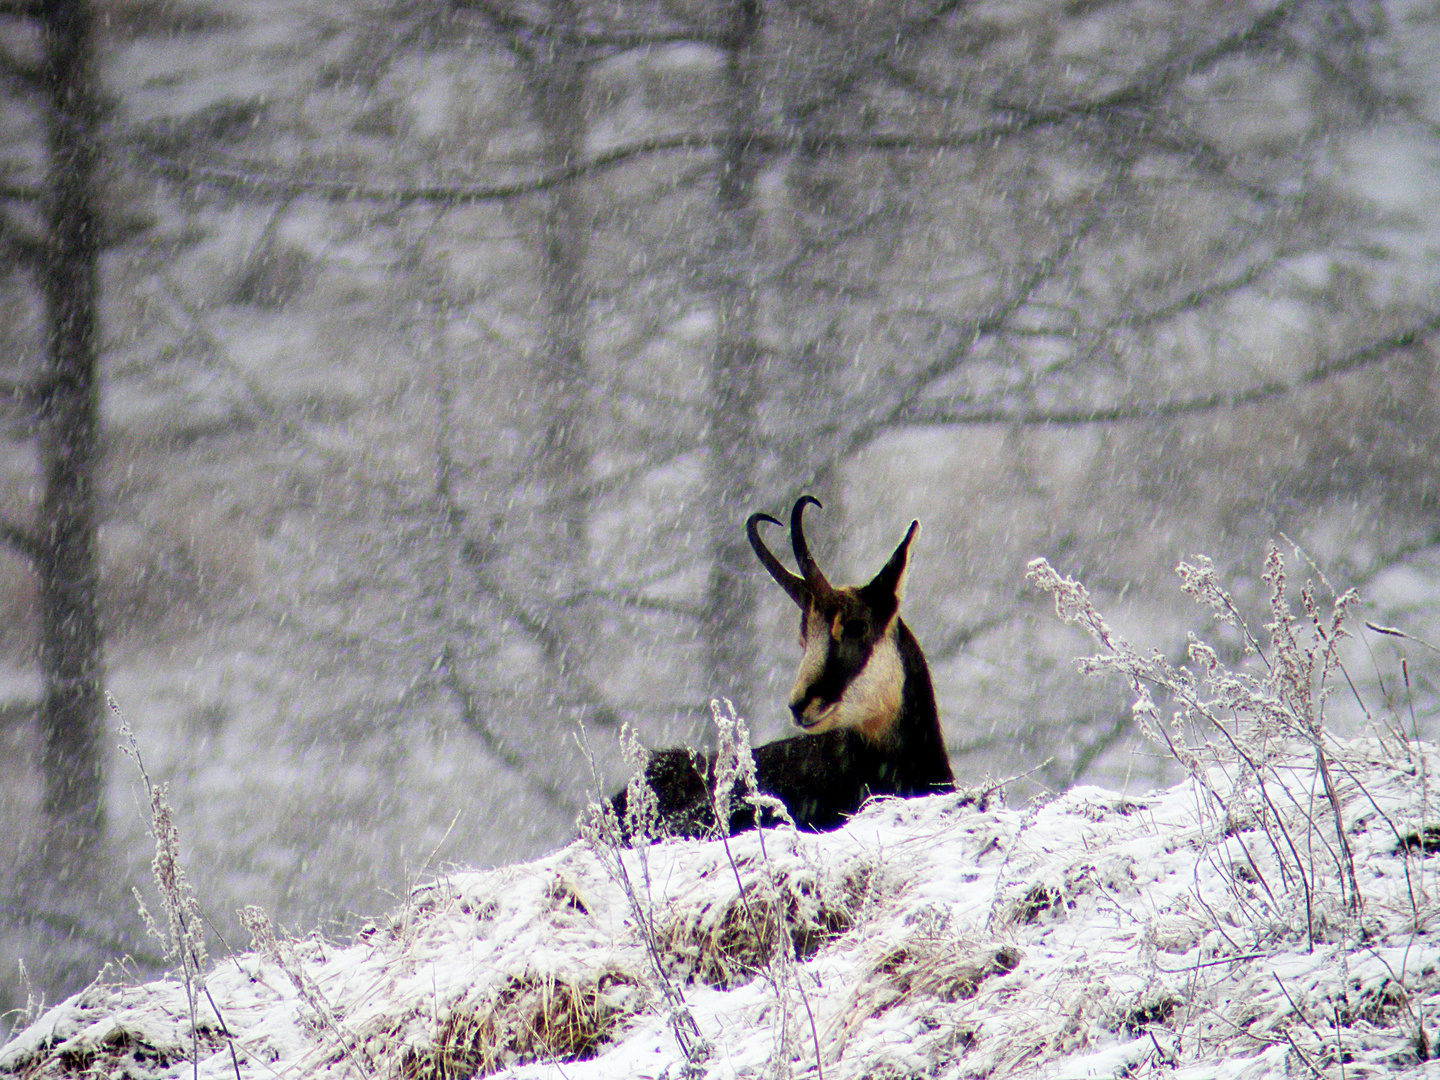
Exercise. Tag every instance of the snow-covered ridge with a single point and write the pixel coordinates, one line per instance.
(1093, 935)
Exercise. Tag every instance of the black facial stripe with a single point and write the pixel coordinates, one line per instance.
(843, 661)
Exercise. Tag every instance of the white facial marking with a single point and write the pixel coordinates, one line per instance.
(812, 663)
(871, 702)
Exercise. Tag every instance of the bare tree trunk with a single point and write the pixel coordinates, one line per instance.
(735, 384)
(564, 453)
(71, 652)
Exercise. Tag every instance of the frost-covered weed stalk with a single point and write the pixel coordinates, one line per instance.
(601, 830)
(182, 939)
(763, 903)
(282, 953)
(1237, 733)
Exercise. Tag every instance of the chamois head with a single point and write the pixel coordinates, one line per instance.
(851, 674)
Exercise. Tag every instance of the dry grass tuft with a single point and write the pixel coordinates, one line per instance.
(725, 945)
(931, 974)
(1152, 1009)
(949, 973)
(119, 1052)
(533, 1017)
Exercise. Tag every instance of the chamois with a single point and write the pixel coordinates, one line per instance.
(862, 697)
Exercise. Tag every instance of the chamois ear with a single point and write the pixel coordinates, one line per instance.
(887, 588)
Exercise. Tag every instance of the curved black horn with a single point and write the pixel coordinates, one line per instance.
(794, 586)
(813, 577)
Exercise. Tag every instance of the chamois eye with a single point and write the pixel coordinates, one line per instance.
(853, 628)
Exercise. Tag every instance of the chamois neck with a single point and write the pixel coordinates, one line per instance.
(919, 748)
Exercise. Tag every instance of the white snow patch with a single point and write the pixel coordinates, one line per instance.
(1088, 936)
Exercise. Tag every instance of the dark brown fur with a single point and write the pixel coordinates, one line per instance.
(863, 695)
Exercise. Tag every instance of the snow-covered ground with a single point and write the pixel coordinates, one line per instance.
(1090, 935)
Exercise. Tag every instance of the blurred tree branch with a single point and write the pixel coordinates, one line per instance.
(521, 32)
(553, 642)
(20, 245)
(22, 541)
(257, 180)
(1371, 353)
(23, 73)
(472, 715)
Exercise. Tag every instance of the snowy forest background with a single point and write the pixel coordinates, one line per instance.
(444, 346)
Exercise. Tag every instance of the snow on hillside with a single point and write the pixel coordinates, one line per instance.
(1205, 931)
